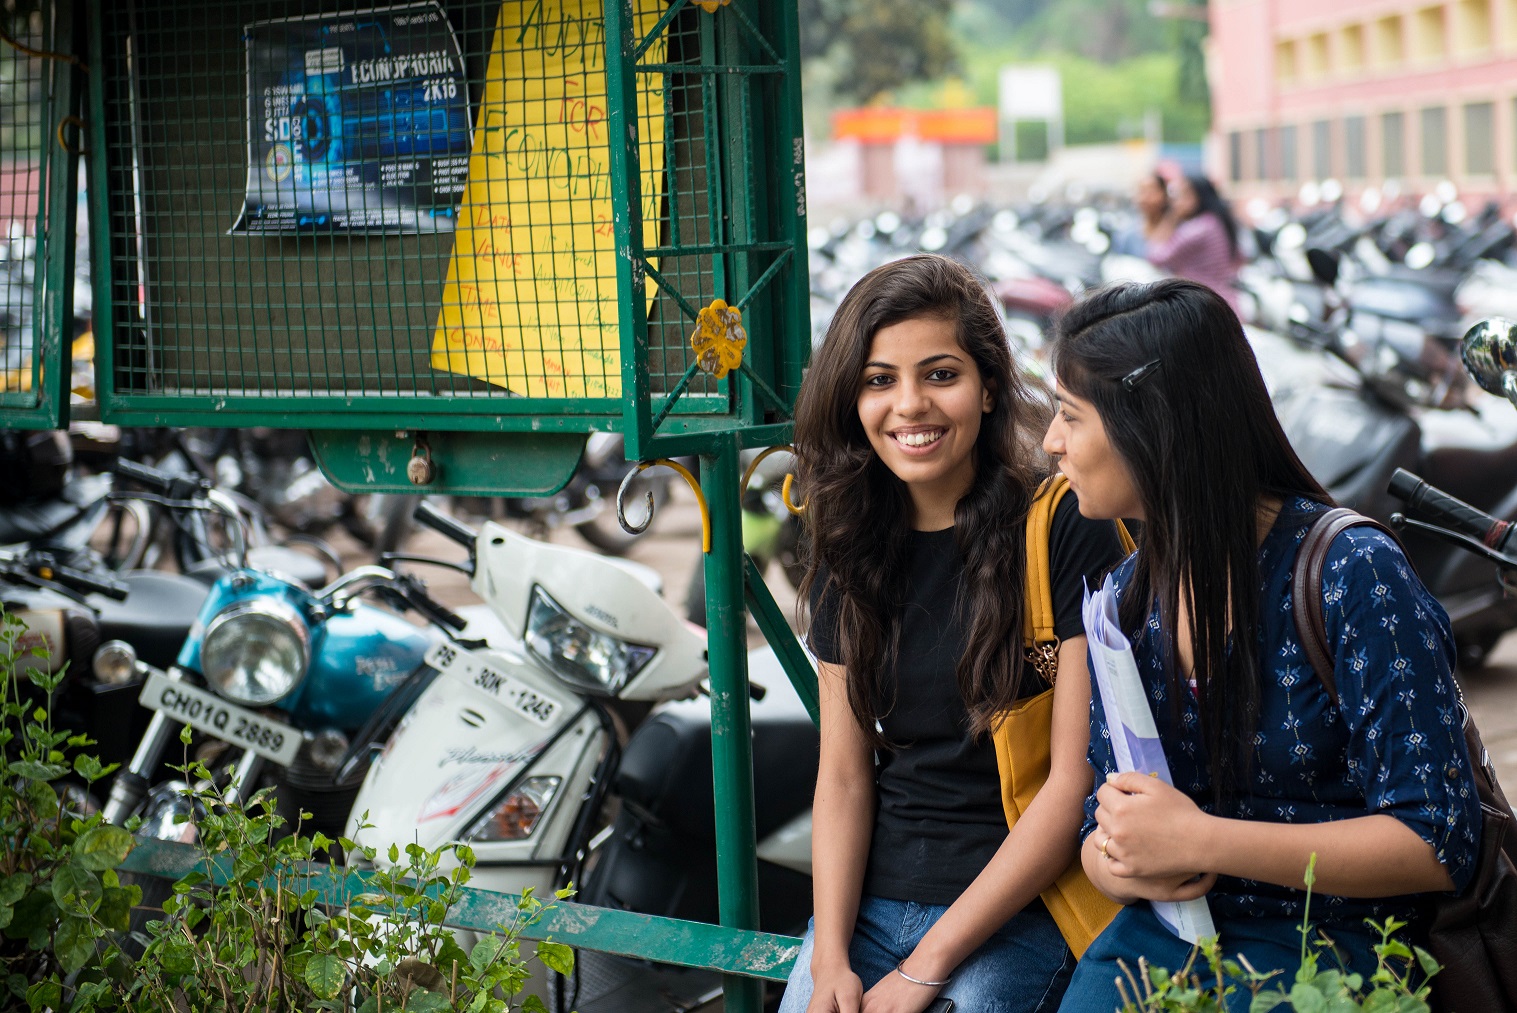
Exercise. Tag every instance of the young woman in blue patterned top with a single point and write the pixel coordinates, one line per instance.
(1164, 418)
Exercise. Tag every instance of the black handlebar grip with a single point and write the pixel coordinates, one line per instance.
(1452, 513)
(79, 580)
(144, 475)
(445, 525)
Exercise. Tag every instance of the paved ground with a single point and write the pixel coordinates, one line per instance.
(672, 547)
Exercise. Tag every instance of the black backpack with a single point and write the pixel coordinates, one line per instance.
(1474, 935)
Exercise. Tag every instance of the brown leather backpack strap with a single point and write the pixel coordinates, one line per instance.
(1306, 587)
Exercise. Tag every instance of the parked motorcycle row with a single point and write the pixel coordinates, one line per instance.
(559, 727)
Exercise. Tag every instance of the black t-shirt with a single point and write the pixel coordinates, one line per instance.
(939, 818)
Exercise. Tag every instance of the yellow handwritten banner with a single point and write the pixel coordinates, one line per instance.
(531, 297)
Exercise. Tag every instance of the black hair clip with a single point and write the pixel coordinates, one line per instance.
(1137, 376)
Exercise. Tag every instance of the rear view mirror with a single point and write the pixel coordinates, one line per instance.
(1324, 264)
(1490, 356)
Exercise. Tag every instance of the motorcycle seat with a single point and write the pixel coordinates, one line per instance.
(26, 522)
(156, 616)
(665, 773)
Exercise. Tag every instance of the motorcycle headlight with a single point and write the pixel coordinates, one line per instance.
(255, 652)
(584, 658)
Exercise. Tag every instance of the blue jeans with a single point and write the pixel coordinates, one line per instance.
(1023, 968)
(1269, 944)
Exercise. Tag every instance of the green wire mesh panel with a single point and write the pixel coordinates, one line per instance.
(36, 236)
(423, 215)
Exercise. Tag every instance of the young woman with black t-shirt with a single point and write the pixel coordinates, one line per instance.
(917, 444)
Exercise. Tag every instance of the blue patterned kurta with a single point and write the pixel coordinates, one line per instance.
(1393, 745)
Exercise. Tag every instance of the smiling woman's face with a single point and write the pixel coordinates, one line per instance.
(920, 402)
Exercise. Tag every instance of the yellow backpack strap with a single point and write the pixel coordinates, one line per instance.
(1037, 627)
(1038, 619)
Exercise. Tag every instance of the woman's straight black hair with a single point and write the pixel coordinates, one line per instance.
(1200, 438)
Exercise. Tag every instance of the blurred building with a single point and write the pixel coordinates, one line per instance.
(1364, 91)
(920, 156)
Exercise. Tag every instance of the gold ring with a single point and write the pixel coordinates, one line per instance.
(1102, 848)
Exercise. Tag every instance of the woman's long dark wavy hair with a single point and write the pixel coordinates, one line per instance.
(1199, 436)
(858, 513)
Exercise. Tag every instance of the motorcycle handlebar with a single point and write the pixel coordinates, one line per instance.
(417, 597)
(1495, 534)
(173, 486)
(90, 583)
(449, 527)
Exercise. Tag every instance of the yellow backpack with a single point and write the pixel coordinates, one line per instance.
(1022, 734)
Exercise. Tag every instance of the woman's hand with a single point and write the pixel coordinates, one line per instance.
(835, 990)
(894, 994)
(1152, 836)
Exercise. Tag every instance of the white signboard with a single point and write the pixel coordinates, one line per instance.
(1031, 93)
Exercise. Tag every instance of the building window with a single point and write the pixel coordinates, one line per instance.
(1435, 141)
(1472, 26)
(1261, 154)
(1316, 63)
(1480, 138)
(1322, 149)
(1289, 165)
(1235, 156)
(1393, 145)
(1428, 34)
(1390, 42)
(1351, 49)
(1285, 61)
(1355, 160)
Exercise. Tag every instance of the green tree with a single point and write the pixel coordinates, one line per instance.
(874, 46)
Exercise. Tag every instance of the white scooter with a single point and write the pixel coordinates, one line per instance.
(522, 736)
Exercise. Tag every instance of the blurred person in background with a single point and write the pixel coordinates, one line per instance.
(1197, 238)
(1151, 201)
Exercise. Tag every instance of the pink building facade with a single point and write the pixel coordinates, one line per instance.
(1364, 91)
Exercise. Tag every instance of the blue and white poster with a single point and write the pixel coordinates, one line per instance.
(357, 122)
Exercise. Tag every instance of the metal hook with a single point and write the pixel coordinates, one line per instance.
(752, 467)
(795, 511)
(73, 121)
(637, 529)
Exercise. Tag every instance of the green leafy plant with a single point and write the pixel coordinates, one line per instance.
(267, 923)
(61, 901)
(1399, 984)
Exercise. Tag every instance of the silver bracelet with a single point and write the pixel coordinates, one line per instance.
(919, 981)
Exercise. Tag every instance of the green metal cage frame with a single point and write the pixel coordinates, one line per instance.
(739, 61)
(46, 404)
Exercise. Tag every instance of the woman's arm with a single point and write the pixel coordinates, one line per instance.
(1154, 835)
(1039, 847)
(842, 823)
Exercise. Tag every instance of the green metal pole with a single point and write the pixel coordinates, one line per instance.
(731, 739)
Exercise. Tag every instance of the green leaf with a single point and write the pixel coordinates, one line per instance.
(177, 955)
(325, 975)
(1306, 999)
(1266, 1001)
(1425, 960)
(115, 910)
(484, 953)
(74, 943)
(532, 1004)
(370, 1005)
(423, 1001)
(35, 913)
(13, 887)
(74, 887)
(44, 995)
(556, 956)
(103, 847)
(33, 770)
(87, 767)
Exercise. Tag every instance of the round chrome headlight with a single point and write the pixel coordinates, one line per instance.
(255, 652)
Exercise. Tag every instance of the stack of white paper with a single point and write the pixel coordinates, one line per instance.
(1134, 737)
